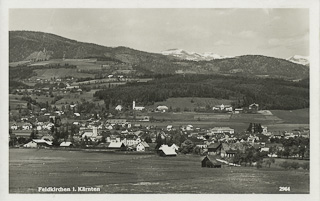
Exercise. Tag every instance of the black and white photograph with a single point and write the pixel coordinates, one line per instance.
(132, 98)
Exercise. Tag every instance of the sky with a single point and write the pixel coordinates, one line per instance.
(281, 32)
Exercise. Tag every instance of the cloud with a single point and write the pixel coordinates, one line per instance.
(226, 11)
(247, 34)
(221, 43)
(290, 42)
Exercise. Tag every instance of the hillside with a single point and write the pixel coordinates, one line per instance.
(37, 46)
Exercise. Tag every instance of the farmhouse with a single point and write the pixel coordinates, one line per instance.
(238, 110)
(117, 146)
(142, 146)
(162, 108)
(38, 143)
(119, 108)
(254, 107)
(207, 162)
(134, 107)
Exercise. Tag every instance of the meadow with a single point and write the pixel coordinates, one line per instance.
(132, 173)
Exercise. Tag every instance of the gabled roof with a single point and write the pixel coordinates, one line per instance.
(214, 145)
(38, 141)
(115, 145)
(65, 144)
(145, 144)
(168, 151)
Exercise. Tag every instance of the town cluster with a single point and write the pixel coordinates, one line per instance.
(123, 135)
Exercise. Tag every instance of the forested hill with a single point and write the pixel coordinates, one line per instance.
(25, 45)
(269, 93)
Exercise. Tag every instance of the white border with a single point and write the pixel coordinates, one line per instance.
(313, 6)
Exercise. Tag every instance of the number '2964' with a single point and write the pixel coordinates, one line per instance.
(284, 188)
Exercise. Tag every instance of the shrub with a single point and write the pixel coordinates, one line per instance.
(285, 165)
(295, 165)
(305, 166)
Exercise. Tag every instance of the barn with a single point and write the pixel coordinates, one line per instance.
(212, 163)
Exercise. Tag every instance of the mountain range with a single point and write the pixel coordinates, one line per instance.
(208, 56)
(194, 56)
(304, 60)
(29, 45)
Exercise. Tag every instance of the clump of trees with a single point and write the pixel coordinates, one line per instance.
(294, 165)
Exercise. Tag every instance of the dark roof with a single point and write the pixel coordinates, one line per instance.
(214, 145)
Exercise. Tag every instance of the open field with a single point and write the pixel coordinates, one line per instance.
(293, 116)
(60, 73)
(130, 173)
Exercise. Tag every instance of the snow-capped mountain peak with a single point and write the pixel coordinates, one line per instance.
(304, 60)
(180, 53)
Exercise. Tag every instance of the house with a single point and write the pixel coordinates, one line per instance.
(66, 144)
(143, 118)
(134, 107)
(265, 149)
(214, 148)
(142, 146)
(189, 128)
(222, 108)
(14, 127)
(207, 162)
(204, 161)
(77, 114)
(117, 146)
(31, 144)
(47, 137)
(38, 143)
(116, 121)
(238, 110)
(222, 130)
(26, 126)
(91, 134)
(254, 107)
(162, 108)
(119, 108)
(175, 147)
(165, 150)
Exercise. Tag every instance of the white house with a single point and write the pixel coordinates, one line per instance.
(27, 126)
(134, 107)
(167, 151)
(189, 128)
(119, 108)
(142, 146)
(14, 127)
(175, 147)
(66, 144)
(162, 108)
